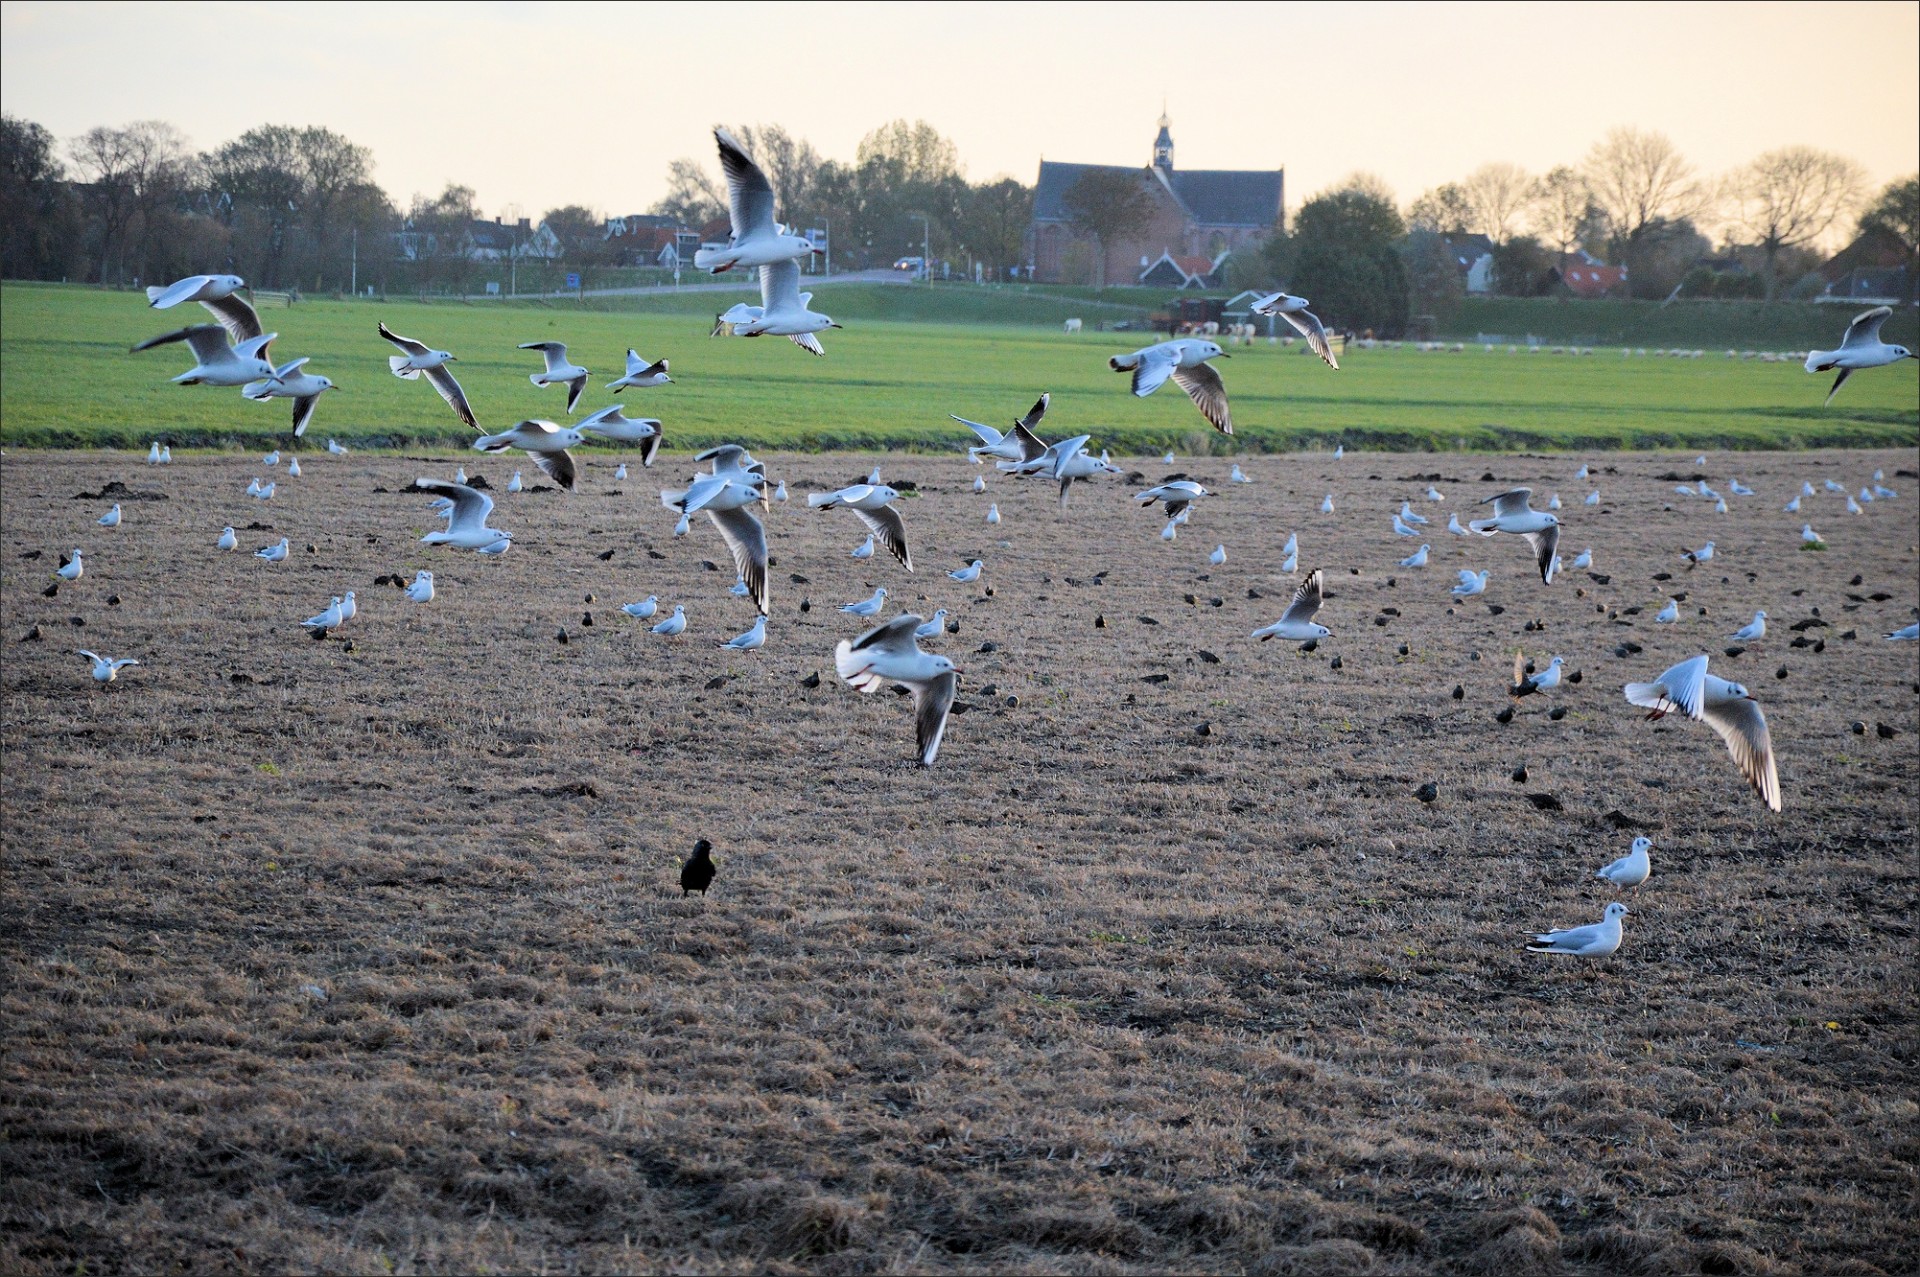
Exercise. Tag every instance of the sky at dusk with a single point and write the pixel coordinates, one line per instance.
(540, 105)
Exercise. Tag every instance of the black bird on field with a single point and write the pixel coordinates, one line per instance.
(697, 873)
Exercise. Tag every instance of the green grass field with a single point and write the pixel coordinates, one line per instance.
(67, 380)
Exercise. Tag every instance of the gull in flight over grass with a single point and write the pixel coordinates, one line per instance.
(217, 362)
(1726, 707)
(275, 553)
(466, 511)
(545, 442)
(561, 371)
(1185, 360)
(754, 637)
(1631, 869)
(1754, 629)
(106, 669)
(872, 504)
(612, 423)
(888, 653)
(1296, 624)
(784, 311)
(1511, 513)
(756, 239)
(641, 374)
(1294, 311)
(868, 606)
(1860, 348)
(421, 590)
(219, 294)
(288, 382)
(419, 360)
(1595, 940)
(1018, 445)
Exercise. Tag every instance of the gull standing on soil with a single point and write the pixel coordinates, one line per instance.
(643, 609)
(275, 553)
(1018, 444)
(1909, 634)
(560, 370)
(106, 669)
(889, 654)
(1631, 869)
(1670, 613)
(872, 504)
(1860, 348)
(641, 374)
(1695, 558)
(1808, 536)
(865, 549)
(545, 442)
(784, 311)
(993, 513)
(272, 458)
(1511, 513)
(675, 624)
(612, 423)
(756, 239)
(217, 362)
(754, 637)
(333, 446)
(1595, 940)
(1584, 559)
(1726, 707)
(293, 467)
(935, 624)
(620, 471)
(419, 359)
(968, 574)
(1237, 476)
(514, 484)
(1418, 559)
(1453, 525)
(1296, 624)
(229, 540)
(1754, 629)
(1525, 684)
(1185, 360)
(1593, 498)
(348, 607)
(1471, 583)
(421, 591)
(332, 618)
(267, 490)
(1294, 311)
(153, 454)
(466, 514)
(869, 606)
(1408, 516)
(1400, 528)
(72, 570)
(1218, 556)
(1326, 507)
(288, 382)
(218, 294)
(111, 519)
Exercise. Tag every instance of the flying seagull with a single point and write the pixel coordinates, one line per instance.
(1019, 444)
(1726, 707)
(784, 311)
(1185, 360)
(545, 442)
(612, 423)
(873, 506)
(217, 362)
(1860, 348)
(641, 374)
(1511, 513)
(288, 382)
(219, 294)
(419, 359)
(1296, 624)
(756, 239)
(889, 654)
(1294, 311)
(466, 510)
(560, 370)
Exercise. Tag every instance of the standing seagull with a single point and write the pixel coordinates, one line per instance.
(1631, 869)
(755, 637)
(1018, 444)
(1595, 940)
(289, 382)
(545, 442)
(872, 504)
(560, 371)
(1185, 360)
(1754, 629)
(1294, 311)
(419, 359)
(466, 510)
(111, 519)
(756, 239)
(219, 294)
(421, 591)
(73, 569)
(612, 423)
(784, 311)
(1525, 684)
(1296, 624)
(1511, 513)
(889, 654)
(217, 362)
(641, 374)
(1860, 348)
(229, 539)
(1726, 707)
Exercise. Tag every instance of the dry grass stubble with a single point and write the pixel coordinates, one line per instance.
(352, 960)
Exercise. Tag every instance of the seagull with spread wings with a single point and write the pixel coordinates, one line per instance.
(1185, 361)
(756, 240)
(1860, 348)
(889, 653)
(1727, 707)
(1305, 322)
(1511, 513)
(418, 360)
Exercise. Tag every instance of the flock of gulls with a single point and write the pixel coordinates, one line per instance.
(736, 493)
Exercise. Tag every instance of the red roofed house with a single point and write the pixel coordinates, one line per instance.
(1183, 272)
(1587, 276)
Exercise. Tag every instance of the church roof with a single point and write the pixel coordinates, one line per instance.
(1213, 197)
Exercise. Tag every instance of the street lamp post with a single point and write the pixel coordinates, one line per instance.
(926, 261)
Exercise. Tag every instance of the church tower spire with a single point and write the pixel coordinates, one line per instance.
(1163, 144)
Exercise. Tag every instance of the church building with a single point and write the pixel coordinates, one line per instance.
(1197, 213)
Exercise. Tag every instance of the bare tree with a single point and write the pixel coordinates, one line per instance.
(790, 163)
(133, 171)
(1643, 185)
(1895, 212)
(694, 197)
(1444, 209)
(1791, 197)
(1108, 204)
(1564, 212)
(1497, 194)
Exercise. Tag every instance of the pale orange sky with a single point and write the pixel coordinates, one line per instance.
(540, 105)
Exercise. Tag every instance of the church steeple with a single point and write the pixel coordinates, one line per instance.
(1163, 144)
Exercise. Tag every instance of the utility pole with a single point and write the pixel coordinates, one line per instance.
(926, 262)
(353, 276)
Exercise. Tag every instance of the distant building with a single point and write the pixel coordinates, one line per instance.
(1585, 275)
(1197, 214)
(1183, 272)
(1473, 254)
(650, 239)
(481, 241)
(1873, 270)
